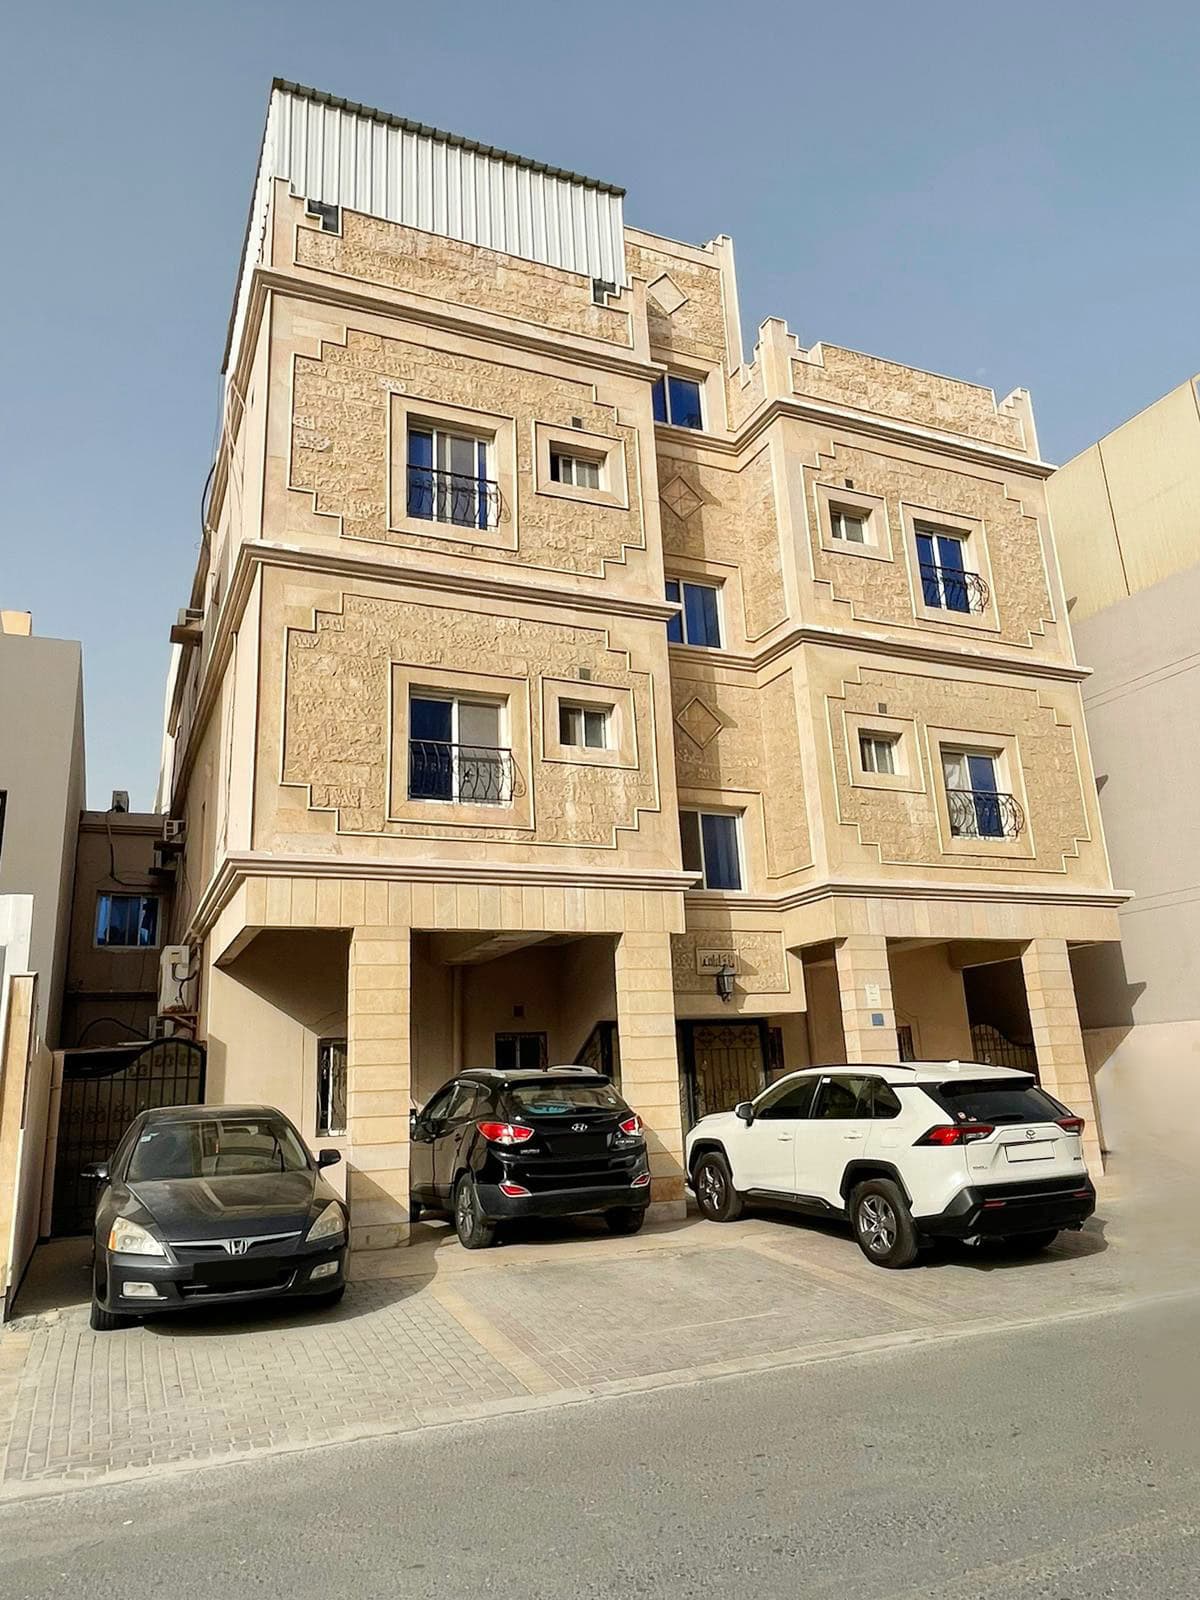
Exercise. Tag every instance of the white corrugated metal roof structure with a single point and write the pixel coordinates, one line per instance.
(340, 153)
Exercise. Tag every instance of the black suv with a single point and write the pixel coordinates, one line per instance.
(491, 1146)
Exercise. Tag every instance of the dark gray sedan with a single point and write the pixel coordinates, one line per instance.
(208, 1205)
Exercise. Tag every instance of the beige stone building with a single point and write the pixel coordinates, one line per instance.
(558, 683)
(1127, 518)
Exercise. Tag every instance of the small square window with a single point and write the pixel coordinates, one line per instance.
(711, 846)
(583, 727)
(582, 472)
(847, 525)
(127, 921)
(677, 401)
(699, 622)
(878, 752)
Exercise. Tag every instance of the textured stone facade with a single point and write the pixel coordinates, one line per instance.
(338, 713)
(341, 454)
(840, 377)
(371, 251)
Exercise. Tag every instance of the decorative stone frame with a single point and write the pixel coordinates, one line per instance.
(513, 693)
(973, 534)
(874, 510)
(407, 411)
(911, 779)
(748, 807)
(608, 450)
(1005, 750)
(726, 579)
(622, 723)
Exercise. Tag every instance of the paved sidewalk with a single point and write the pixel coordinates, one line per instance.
(565, 1312)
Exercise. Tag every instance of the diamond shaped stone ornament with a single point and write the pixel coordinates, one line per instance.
(666, 294)
(699, 722)
(679, 496)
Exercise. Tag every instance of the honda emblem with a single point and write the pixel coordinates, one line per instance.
(237, 1247)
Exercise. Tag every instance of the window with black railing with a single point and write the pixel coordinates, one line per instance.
(455, 752)
(448, 479)
(947, 583)
(977, 806)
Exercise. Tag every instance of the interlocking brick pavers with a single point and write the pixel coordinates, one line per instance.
(461, 1334)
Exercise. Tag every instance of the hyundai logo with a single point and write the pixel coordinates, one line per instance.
(237, 1247)
(579, 1127)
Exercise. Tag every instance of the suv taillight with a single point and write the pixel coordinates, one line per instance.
(1071, 1124)
(632, 1125)
(508, 1133)
(957, 1133)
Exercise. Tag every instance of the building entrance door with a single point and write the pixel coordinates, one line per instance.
(723, 1063)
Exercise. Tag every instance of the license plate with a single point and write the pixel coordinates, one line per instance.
(1035, 1150)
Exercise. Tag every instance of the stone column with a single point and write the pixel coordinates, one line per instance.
(650, 1060)
(378, 1071)
(1057, 1039)
(865, 989)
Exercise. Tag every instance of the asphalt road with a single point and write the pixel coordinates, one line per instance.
(1061, 1462)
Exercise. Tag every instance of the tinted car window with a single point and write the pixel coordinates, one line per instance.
(435, 1111)
(884, 1101)
(839, 1098)
(997, 1102)
(561, 1097)
(462, 1102)
(788, 1100)
(216, 1147)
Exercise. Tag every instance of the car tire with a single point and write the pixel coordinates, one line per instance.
(474, 1231)
(712, 1182)
(1029, 1244)
(625, 1219)
(102, 1321)
(883, 1223)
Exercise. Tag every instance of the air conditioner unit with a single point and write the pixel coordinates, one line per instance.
(174, 829)
(162, 1027)
(120, 800)
(174, 964)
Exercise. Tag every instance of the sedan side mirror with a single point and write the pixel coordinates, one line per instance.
(98, 1170)
(745, 1110)
(328, 1158)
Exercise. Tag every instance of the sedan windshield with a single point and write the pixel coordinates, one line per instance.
(216, 1147)
(563, 1098)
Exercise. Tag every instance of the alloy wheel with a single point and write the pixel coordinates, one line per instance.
(712, 1187)
(877, 1224)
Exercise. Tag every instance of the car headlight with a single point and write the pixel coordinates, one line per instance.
(329, 1224)
(131, 1239)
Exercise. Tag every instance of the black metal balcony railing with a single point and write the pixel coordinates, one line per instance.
(952, 589)
(453, 497)
(982, 814)
(472, 774)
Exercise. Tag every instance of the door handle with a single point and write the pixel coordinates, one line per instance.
(784, 1138)
(854, 1136)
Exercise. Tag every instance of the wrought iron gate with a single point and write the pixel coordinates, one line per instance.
(990, 1045)
(102, 1092)
(723, 1063)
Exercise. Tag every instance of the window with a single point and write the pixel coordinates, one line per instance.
(519, 1050)
(945, 582)
(995, 1102)
(455, 751)
(677, 401)
(884, 1100)
(699, 622)
(463, 1102)
(127, 921)
(711, 847)
(584, 727)
(840, 1099)
(216, 1147)
(331, 1088)
(907, 1050)
(790, 1100)
(878, 752)
(977, 807)
(448, 478)
(583, 472)
(849, 526)
(559, 1097)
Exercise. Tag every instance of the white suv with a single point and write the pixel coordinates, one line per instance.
(906, 1152)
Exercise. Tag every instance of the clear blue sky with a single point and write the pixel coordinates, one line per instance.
(1004, 192)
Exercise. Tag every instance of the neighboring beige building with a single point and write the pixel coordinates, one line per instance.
(1127, 520)
(549, 666)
